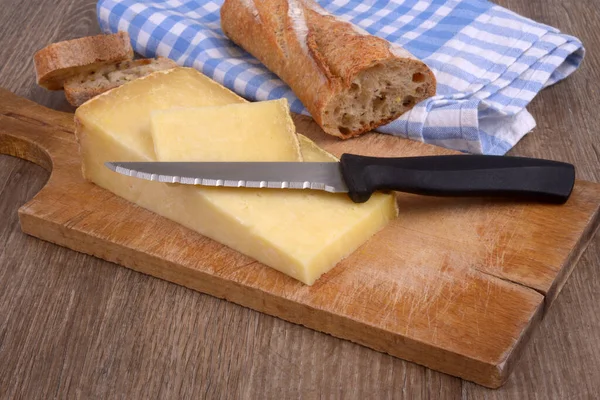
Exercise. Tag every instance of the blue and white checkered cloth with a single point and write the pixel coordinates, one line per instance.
(489, 62)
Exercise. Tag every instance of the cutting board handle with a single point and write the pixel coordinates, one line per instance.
(33, 132)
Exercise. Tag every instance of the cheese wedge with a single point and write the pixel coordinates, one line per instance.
(223, 133)
(300, 233)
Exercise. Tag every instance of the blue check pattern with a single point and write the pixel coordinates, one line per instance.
(489, 62)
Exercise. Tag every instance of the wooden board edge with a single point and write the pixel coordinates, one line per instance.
(512, 359)
(13, 105)
(572, 260)
(24, 149)
(487, 374)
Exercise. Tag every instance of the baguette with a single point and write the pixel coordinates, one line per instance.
(351, 82)
(60, 61)
(83, 87)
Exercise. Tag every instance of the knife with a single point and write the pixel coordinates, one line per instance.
(359, 176)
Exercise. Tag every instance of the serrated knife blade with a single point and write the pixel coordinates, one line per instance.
(274, 175)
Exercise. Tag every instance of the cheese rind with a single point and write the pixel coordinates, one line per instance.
(223, 133)
(302, 233)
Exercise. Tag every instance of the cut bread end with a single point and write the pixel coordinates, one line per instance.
(93, 82)
(378, 95)
(60, 61)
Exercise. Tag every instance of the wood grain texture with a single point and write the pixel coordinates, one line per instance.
(81, 327)
(457, 312)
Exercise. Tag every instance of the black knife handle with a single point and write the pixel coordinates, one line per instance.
(459, 175)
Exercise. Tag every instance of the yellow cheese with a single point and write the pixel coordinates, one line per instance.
(300, 233)
(123, 114)
(223, 133)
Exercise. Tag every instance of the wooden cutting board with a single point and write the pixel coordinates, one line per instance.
(457, 285)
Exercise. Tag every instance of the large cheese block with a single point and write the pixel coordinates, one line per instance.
(222, 133)
(300, 233)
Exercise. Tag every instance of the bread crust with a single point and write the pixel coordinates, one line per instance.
(60, 61)
(321, 56)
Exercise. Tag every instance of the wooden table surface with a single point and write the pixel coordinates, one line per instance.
(73, 326)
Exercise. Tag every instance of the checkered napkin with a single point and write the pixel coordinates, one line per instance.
(489, 61)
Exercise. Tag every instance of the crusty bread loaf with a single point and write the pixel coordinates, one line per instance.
(351, 82)
(60, 61)
(83, 87)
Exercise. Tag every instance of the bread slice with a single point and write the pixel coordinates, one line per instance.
(350, 81)
(83, 87)
(60, 61)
